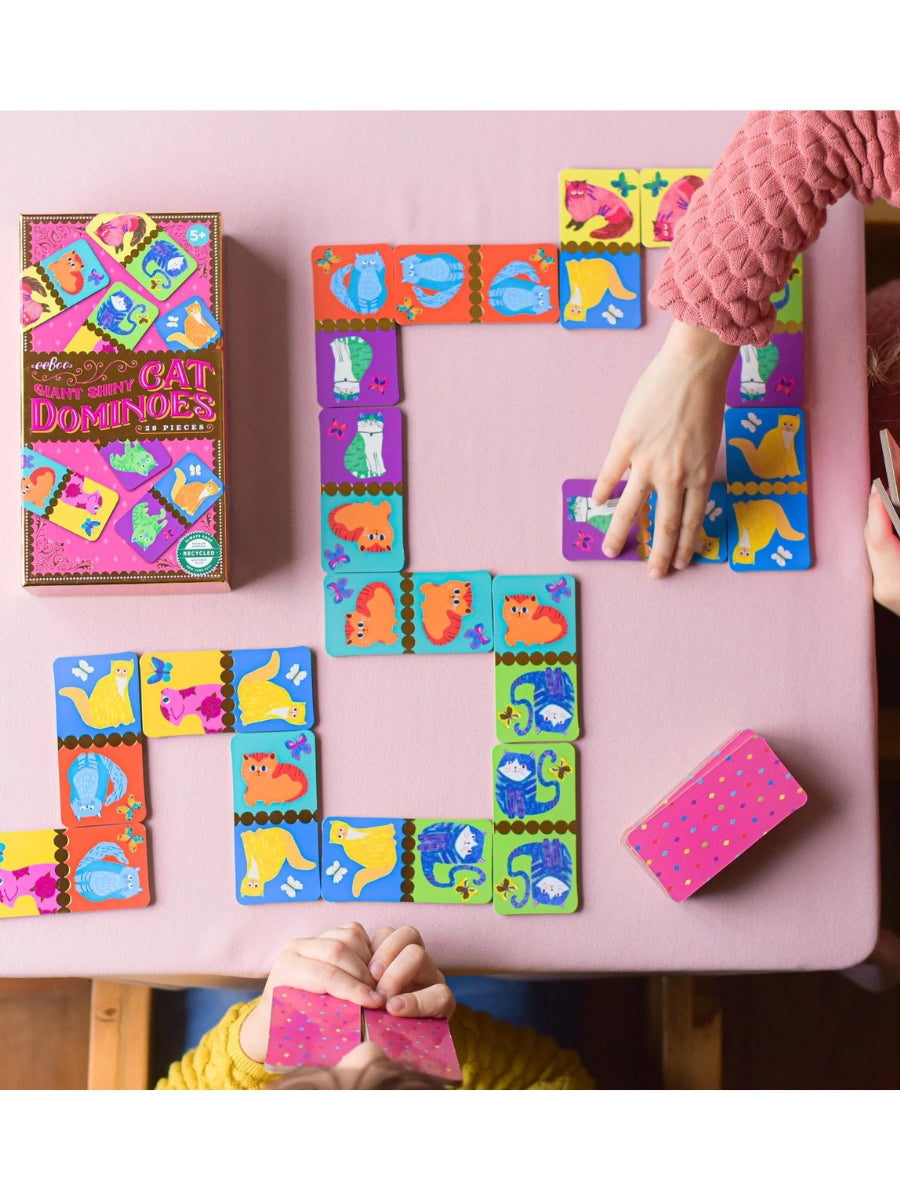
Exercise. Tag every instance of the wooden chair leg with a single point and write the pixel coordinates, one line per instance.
(687, 1013)
(119, 1054)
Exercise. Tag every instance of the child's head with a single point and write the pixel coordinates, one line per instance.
(365, 1068)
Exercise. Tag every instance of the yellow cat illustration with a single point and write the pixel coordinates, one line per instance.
(707, 547)
(266, 852)
(589, 281)
(776, 456)
(261, 700)
(757, 521)
(190, 496)
(109, 703)
(375, 849)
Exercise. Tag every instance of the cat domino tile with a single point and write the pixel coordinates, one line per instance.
(735, 797)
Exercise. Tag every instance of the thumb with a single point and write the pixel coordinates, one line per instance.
(879, 530)
(434, 1001)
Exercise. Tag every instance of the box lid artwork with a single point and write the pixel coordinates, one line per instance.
(123, 454)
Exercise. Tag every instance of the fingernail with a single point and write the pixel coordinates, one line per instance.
(377, 998)
(608, 551)
(397, 1005)
(655, 573)
(679, 564)
(376, 969)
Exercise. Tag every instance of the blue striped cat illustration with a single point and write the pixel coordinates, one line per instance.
(454, 845)
(97, 878)
(366, 291)
(90, 778)
(552, 707)
(435, 278)
(119, 314)
(162, 263)
(516, 784)
(511, 295)
(547, 879)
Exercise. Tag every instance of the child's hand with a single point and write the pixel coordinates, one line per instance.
(407, 975)
(883, 546)
(669, 435)
(336, 963)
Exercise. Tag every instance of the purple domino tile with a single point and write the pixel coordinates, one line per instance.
(357, 368)
(149, 528)
(585, 523)
(772, 375)
(361, 445)
(134, 462)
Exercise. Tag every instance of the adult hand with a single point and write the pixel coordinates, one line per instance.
(407, 975)
(669, 435)
(335, 963)
(883, 547)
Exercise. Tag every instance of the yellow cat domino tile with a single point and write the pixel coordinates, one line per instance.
(214, 691)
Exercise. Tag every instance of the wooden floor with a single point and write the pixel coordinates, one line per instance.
(786, 1031)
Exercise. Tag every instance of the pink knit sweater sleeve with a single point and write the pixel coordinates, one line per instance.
(765, 202)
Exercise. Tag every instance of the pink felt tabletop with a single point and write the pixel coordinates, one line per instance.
(496, 419)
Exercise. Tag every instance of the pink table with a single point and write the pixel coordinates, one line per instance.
(496, 418)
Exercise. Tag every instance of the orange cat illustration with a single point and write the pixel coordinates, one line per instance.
(37, 486)
(190, 496)
(197, 330)
(67, 271)
(268, 780)
(757, 521)
(364, 522)
(532, 623)
(443, 607)
(374, 617)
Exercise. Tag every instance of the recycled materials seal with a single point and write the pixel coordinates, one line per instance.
(199, 553)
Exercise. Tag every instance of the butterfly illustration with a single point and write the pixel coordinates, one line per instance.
(336, 872)
(162, 670)
(622, 185)
(508, 715)
(128, 835)
(713, 512)
(656, 185)
(27, 462)
(2, 850)
(477, 636)
(466, 890)
(292, 886)
(95, 277)
(194, 469)
(781, 556)
(408, 309)
(83, 669)
(378, 384)
(89, 524)
(505, 888)
(128, 810)
(560, 769)
(299, 746)
(328, 260)
(612, 314)
(584, 541)
(544, 260)
(785, 385)
(336, 556)
(295, 675)
(340, 590)
(337, 428)
(559, 589)
(752, 423)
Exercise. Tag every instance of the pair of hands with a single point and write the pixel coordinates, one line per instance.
(669, 435)
(391, 970)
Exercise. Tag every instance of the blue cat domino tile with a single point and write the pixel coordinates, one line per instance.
(438, 284)
(101, 783)
(353, 283)
(393, 859)
(48, 871)
(766, 469)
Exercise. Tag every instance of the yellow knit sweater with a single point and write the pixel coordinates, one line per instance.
(494, 1055)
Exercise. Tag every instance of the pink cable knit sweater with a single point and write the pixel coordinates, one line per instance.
(765, 202)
